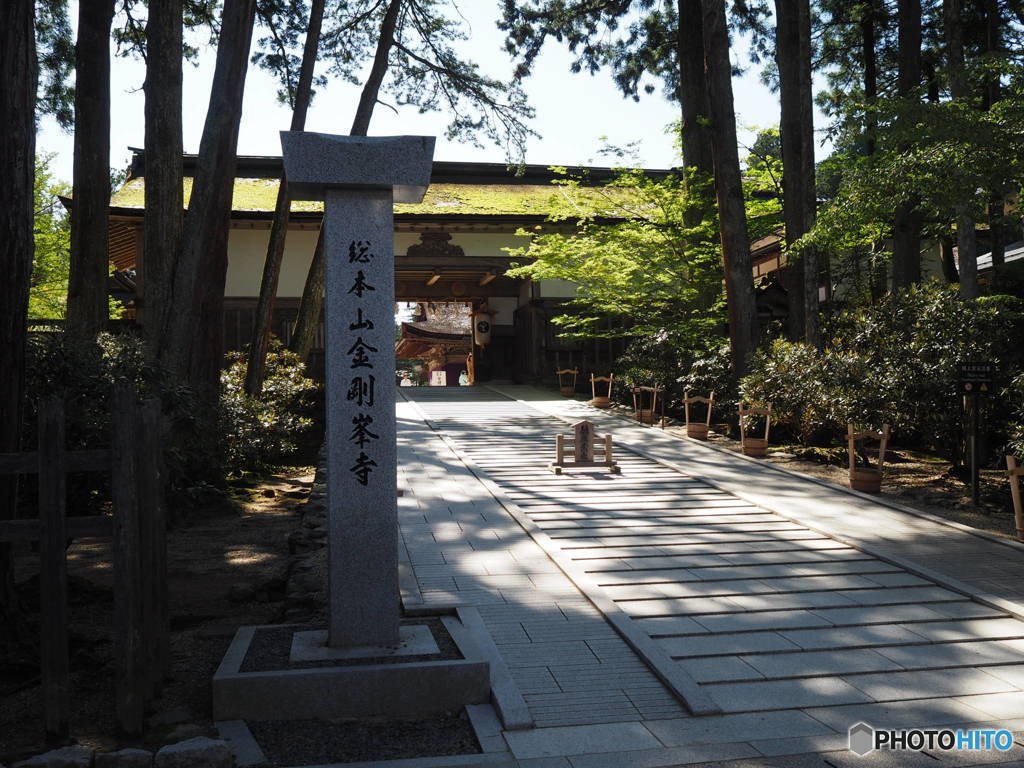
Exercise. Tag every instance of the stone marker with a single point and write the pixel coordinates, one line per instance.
(359, 179)
(583, 444)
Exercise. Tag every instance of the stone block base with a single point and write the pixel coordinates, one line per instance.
(400, 689)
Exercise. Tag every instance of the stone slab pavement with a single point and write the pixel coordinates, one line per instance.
(594, 699)
(989, 567)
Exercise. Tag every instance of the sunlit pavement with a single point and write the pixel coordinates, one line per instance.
(787, 606)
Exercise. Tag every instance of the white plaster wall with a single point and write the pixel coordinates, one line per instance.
(504, 308)
(247, 251)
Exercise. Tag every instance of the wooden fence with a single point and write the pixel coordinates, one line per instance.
(138, 528)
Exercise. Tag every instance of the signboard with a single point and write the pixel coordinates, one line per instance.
(976, 378)
(438, 378)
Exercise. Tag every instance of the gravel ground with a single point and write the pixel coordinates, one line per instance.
(226, 569)
(315, 742)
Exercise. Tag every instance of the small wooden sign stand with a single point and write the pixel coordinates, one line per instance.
(603, 401)
(866, 479)
(567, 390)
(1014, 471)
(754, 446)
(641, 414)
(697, 430)
(588, 450)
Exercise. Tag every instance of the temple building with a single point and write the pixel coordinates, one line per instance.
(450, 248)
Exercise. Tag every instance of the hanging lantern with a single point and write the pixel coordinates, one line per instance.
(482, 326)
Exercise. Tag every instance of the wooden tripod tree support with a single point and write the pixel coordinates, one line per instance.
(138, 529)
(606, 400)
(867, 479)
(698, 430)
(640, 413)
(567, 386)
(755, 446)
(588, 450)
(1014, 472)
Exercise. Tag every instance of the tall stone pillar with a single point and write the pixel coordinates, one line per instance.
(359, 179)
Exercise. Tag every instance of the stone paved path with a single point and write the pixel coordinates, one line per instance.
(464, 547)
(794, 632)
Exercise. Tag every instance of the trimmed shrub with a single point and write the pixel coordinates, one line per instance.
(258, 432)
(713, 373)
(896, 362)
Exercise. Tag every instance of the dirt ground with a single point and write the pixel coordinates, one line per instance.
(911, 478)
(227, 568)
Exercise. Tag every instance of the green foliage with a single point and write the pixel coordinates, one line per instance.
(894, 362)
(1015, 400)
(425, 70)
(813, 393)
(942, 155)
(83, 374)
(257, 432)
(55, 53)
(48, 291)
(633, 261)
(712, 372)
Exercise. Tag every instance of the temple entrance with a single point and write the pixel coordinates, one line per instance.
(435, 344)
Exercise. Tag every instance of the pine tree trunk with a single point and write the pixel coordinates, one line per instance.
(88, 308)
(194, 345)
(693, 89)
(371, 88)
(256, 367)
(996, 207)
(17, 245)
(164, 202)
(789, 58)
(312, 302)
(949, 270)
(812, 268)
(906, 260)
(870, 60)
(967, 246)
(732, 213)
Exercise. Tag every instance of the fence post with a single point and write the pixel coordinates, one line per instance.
(53, 569)
(127, 589)
(153, 533)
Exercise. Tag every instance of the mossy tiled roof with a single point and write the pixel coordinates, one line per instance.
(256, 195)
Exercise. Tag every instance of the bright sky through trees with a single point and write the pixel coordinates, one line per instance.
(573, 111)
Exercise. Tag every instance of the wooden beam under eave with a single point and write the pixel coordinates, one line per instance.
(433, 278)
(487, 278)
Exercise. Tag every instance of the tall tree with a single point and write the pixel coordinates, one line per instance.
(87, 290)
(958, 90)
(663, 38)
(992, 88)
(793, 58)
(415, 61)
(739, 281)
(303, 92)
(194, 338)
(311, 304)
(692, 92)
(18, 75)
(164, 195)
(906, 258)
